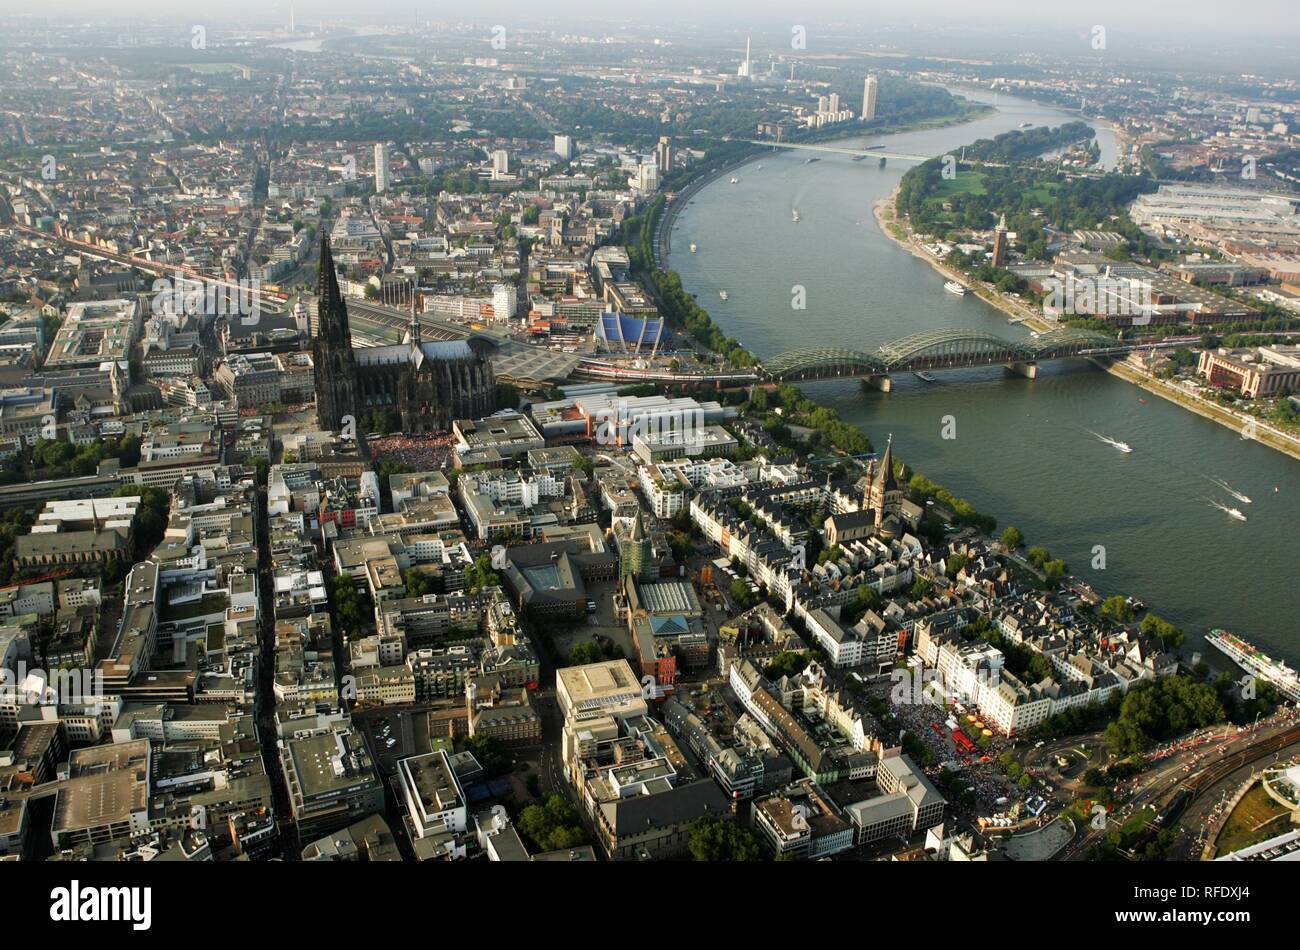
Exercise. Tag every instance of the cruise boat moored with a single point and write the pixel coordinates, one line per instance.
(1257, 663)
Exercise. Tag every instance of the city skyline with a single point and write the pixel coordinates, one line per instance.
(652, 438)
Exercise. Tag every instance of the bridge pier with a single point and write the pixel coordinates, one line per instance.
(882, 382)
(1027, 370)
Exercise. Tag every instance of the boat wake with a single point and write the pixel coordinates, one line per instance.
(1231, 512)
(1244, 499)
(1113, 443)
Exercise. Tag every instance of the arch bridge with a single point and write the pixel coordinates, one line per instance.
(938, 350)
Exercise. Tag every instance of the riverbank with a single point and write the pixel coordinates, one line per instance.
(663, 241)
(886, 217)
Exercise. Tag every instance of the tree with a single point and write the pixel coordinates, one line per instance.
(583, 654)
(115, 572)
(507, 396)
(489, 753)
(150, 517)
(865, 598)
(717, 839)
(1153, 711)
(922, 588)
(348, 609)
(1171, 636)
(480, 574)
(1012, 538)
(786, 663)
(681, 546)
(1054, 570)
(833, 553)
(417, 583)
(552, 825)
(1118, 608)
(741, 596)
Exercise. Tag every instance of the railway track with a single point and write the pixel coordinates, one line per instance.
(1209, 777)
(1183, 795)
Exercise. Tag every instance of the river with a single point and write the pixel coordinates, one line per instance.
(1026, 451)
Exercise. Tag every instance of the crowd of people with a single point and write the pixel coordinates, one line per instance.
(425, 454)
(927, 721)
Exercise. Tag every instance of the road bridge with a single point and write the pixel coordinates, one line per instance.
(868, 152)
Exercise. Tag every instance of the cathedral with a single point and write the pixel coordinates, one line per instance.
(428, 384)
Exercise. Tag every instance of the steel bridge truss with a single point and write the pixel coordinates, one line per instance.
(936, 349)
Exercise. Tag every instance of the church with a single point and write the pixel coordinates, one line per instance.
(875, 506)
(884, 496)
(428, 384)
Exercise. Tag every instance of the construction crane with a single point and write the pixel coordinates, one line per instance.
(52, 576)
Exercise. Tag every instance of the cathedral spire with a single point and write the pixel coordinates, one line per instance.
(331, 310)
(415, 321)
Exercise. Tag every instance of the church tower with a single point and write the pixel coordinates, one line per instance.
(885, 497)
(334, 368)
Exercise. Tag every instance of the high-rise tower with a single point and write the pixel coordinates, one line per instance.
(381, 168)
(664, 155)
(869, 99)
(1000, 242)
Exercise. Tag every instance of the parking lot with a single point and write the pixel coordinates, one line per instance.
(393, 734)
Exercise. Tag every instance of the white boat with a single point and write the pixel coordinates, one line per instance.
(1114, 443)
(955, 288)
(722, 294)
(758, 168)
(795, 216)
(735, 181)
(692, 248)
(1236, 513)
(926, 377)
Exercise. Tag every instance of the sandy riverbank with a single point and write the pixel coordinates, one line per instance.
(887, 219)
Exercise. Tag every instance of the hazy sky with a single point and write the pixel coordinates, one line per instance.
(1146, 21)
(1205, 13)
